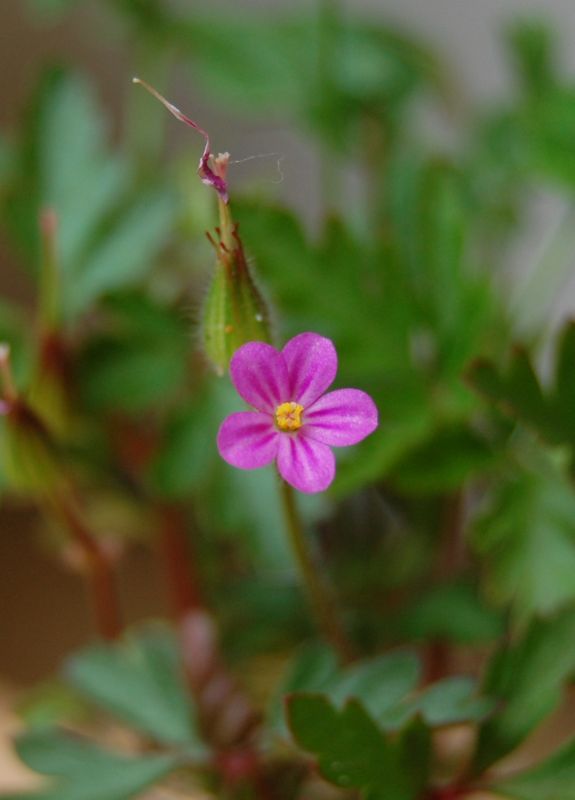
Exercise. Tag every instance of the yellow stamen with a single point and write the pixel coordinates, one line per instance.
(288, 416)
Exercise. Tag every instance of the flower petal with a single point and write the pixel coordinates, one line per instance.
(248, 440)
(312, 365)
(307, 465)
(260, 376)
(340, 418)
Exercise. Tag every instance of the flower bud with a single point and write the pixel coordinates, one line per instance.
(234, 310)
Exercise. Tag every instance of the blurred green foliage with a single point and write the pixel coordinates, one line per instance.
(450, 528)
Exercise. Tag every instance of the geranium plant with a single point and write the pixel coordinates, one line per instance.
(396, 628)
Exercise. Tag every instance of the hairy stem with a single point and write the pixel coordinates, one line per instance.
(319, 594)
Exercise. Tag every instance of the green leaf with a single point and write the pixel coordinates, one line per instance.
(180, 465)
(366, 73)
(554, 779)
(401, 431)
(140, 681)
(429, 215)
(527, 540)
(518, 390)
(381, 684)
(453, 611)
(533, 48)
(457, 454)
(51, 703)
(139, 361)
(564, 382)
(313, 668)
(251, 61)
(111, 224)
(351, 750)
(527, 677)
(452, 701)
(86, 772)
(127, 253)
(128, 377)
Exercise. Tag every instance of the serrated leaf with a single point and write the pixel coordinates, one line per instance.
(351, 750)
(85, 771)
(140, 681)
(527, 540)
(313, 668)
(111, 225)
(430, 219)
(527, 677)
(554, 779)
(517, 391)
(381, 684)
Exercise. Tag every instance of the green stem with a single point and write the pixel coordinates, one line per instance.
(320, 597)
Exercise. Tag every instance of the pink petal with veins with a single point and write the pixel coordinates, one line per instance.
(260, 376)
(312, 365)
(248, 440)
(341, 418)
(307, 465)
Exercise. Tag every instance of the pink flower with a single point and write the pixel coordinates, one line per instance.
(294, 422)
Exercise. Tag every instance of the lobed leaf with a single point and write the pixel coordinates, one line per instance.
(86, 772)
(353, 753)
(527, 540)
(527, 678)
(112, 226)
(140, 681)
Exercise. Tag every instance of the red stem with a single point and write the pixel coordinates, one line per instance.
(179, 564)
(451, 558)
(105, 601)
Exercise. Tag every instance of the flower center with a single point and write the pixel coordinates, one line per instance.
(288, 416)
